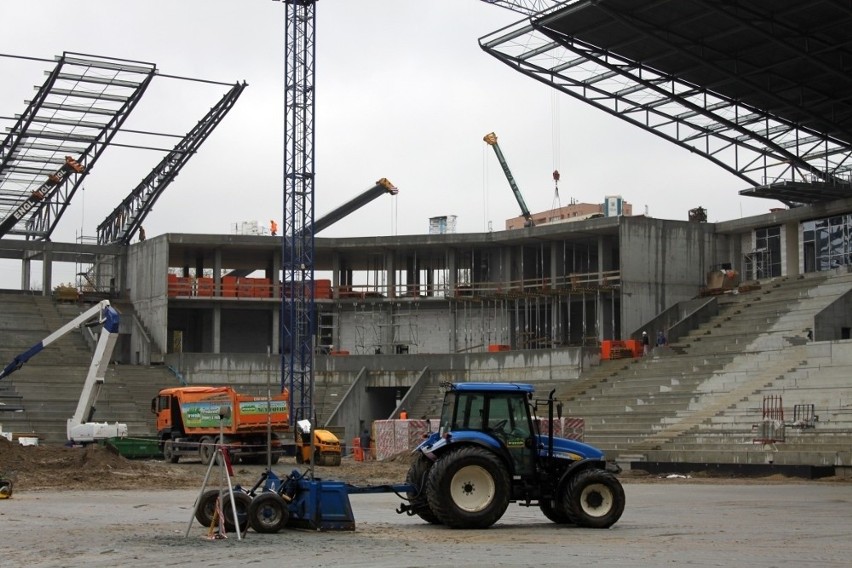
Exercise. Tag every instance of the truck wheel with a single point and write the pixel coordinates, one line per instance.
(268, 513)
(206, 449)
(418, 503)
(595, 499)
(206, 508)
(333, 459)
(555, 511)
(468, 488)
(242, 502)
(169, 452)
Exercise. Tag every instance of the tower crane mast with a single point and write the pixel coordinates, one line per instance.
(297, 253)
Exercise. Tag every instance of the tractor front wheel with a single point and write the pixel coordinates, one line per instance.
(595, 499)
(468, 488)
(555, 511)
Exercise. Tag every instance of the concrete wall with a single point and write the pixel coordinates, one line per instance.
(422, 328)
(662, 263)
(390, 370)
(147, 265)
(829, 324)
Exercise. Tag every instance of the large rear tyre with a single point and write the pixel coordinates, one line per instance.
(206, 449)
(268, 513)
(595, 499)
(205, 510)
(169, 452)
(468, 488)
(418, 503)
(241, 503)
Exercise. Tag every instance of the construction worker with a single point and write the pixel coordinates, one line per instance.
(273, 227)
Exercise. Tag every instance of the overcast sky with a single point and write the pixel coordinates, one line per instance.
(403, 91)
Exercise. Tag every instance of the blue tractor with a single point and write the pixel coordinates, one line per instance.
(488, 452)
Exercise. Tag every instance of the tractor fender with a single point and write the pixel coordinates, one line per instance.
(576, 468)
(434, 449)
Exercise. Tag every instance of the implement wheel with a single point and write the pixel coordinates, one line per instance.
(268, 513)
(416, 476)
(206, 507)
(242, 502)
(468, 488)
(595, 499)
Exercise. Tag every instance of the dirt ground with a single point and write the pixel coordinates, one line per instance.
(50, 467)
(91, 507)
(47, 467)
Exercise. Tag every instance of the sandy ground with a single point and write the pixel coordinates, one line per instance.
(91, 508)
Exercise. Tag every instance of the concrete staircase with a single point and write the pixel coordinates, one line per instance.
(700, 400)
(46, 390)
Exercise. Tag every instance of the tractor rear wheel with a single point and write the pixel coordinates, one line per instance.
(268, 513)
(595, 499)
(468, 488)
(416, 476)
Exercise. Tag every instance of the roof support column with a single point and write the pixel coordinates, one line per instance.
(46, 273)
(217, 329)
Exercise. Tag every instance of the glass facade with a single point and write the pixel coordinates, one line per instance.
(765, 260)
(827, 243)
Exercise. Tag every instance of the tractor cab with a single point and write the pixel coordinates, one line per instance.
(493, 417)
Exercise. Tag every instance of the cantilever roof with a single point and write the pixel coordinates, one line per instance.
(762, 88)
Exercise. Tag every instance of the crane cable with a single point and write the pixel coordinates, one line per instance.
(555, 141)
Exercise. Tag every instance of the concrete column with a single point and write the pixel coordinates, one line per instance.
(452, 275)
(46, 273)
(217, 272)
(217, 329)
(390, 272)
(452, 279)
(276, 331)
(26, 267)
(604, 256)
(792, 246)
(335, 275)
(555, 327)
(273, 272)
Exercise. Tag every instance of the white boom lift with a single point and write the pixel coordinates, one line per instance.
(80, 429)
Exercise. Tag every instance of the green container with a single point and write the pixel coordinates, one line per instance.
(135, 448)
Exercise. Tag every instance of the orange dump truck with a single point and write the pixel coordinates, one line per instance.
(189, 421)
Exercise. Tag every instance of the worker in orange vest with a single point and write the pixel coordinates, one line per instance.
(273, 227)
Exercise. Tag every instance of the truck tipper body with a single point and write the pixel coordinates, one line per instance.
(190, 420)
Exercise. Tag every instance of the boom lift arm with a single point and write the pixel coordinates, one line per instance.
(80, 429)
(70, 166)
(491, 140)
